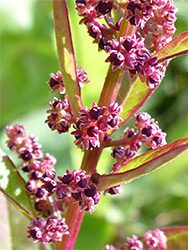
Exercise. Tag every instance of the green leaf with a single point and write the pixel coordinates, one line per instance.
(135, 95)
(66, 55)
(177, 237)
(12, 186)
(144, 164)
(175, 46)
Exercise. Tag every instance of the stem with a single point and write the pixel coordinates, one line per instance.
(114, 79)
(90, 160)
(73, 219)
(120, 142)
(67, 64)
(172, 56)
(111, 86)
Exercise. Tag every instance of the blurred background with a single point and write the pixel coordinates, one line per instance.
(28, 55)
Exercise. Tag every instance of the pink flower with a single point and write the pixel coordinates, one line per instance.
(95, 122)
(48, 231)
(60, 117)
(56, 83)
(155, 240)
(133, 243)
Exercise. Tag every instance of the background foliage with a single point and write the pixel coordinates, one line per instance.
(28, 55)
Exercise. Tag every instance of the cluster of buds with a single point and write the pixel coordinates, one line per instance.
(159, 29)
(77, 185)
(34, 163)
(152, 240)
(56, 81)
(93, 124)
(131, 54)
(60, 117)
(154, 27)
(148, 133)
(47, 231)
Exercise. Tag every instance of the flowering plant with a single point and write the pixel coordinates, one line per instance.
(137, 39)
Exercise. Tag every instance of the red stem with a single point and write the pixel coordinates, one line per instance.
(73, 219)
(172, 56)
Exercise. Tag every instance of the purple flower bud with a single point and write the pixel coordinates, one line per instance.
(82, 183)
(77, 196)
(50, 186)
(26, 155)
(66, 179)
(113, 122)
(81, 2)
(40, 193)
(95, 113)
(92, 131)
(61, 193)
(53, 83)
(147, 131)
(116, 58)
(95, 177)
(104, 7)
(128, 45)
(90, 192)
(35, 233)
(25, 168)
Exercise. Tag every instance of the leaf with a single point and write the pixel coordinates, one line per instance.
(177, 237)
(134, 97)
(66, 55)
(12, 186)
(175, 46)
(144, 164)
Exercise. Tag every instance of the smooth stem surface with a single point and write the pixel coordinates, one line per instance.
(73, 219)
(67, 64)
(120, 142)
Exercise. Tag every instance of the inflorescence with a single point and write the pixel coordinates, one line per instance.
(42, 185)
(152, 240)
(148, 133)
(152, 25)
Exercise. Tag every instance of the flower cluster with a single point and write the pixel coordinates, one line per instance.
(154, 22)
(56, 81)
(152, 240)
(77, 185)
(34, 163)
(131, 54)
(60, 117)
(148, 133)
(155, 239)
(47, 231)
(159, 29)
(93, 124)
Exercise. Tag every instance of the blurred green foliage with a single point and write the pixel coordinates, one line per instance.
(28, 55)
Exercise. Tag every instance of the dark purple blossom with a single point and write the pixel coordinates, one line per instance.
(95, 122)
(48, 231)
